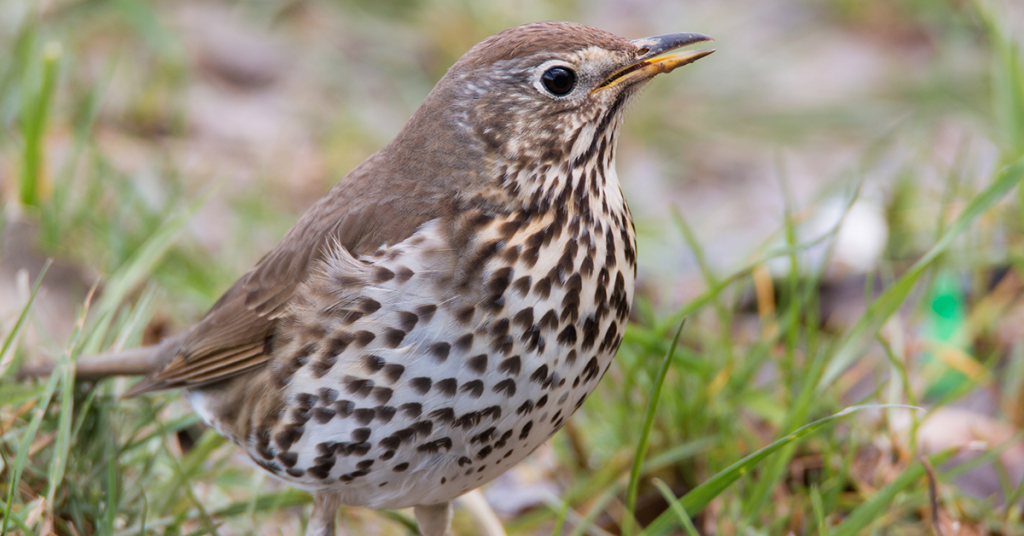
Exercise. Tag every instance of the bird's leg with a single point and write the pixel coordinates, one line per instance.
(434, 518)
(325, 509)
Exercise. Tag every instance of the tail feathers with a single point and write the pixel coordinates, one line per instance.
(134, 362)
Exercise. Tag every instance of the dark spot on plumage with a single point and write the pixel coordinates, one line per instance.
(411, 409)
(492, 412)
(500, 328)
(609, 338)
(443, 415)
(407, 320)
(540, 374)
(591, 330)
(361, 338)
(564, 266)
(530, 256)
(483, 453)
(475, 388)
(360, 435)
(609, 252)
(347, 477)
(392, 372)
(390, 443)
(344, 408)
(364, 464)
(382, 394)
(422, 428)
(288, 436)
(580, 401)
(531, 339)
(542, 401)
(433, 447)
(439, 351)
(302, 356)
(356, 386)
(570, 307)
(421, 385)
(322, 470)
(591, 370)
(477, 364)
(576, 382)
(359, 449)
(502, 346)
(510, 366)
(305, 401)
(509, 228)
(525, 408)
(570, 358)
(535, 240)
(500, 280)
(465, 315)
(373, 363)
(295, 472)
(587, 266)
(403, 274)
(464, 343)
(564, 397)
(386, 413)
(600, 297)
(524, 318)
(388, 454)
(494, 303)
(507, 386)
(323, 415)
(364, 415)
(511, 255)
(522, 285)
(526, 430)
(425, 312)
(446, 387)
(368, 305)
(401, 467)
(483, 437)
(382, 275)
(319, 368)
(568, 336)
(467, 420)
(288, 459)
(392, 337)
(543, 287)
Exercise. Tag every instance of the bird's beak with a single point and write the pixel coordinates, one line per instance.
(653, 59)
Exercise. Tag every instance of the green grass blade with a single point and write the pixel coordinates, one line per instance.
(677, 509)
(34, 128)
(638, 459)
(7, 350)
(699, 497)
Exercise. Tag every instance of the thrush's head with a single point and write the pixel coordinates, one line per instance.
(523, 109)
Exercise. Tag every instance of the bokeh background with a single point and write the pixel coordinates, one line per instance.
(784, 189)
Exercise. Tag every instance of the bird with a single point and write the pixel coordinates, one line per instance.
(449, 303)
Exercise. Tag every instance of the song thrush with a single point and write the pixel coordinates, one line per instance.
(449, 303)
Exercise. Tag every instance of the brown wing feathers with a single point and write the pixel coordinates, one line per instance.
(232, 338)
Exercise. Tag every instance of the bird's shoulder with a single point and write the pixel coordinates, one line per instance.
(358, 216)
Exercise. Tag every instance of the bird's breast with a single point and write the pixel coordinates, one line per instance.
(428, 368)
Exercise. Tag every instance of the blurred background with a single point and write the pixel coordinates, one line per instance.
(825, 198)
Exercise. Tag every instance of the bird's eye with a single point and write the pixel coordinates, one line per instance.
(559, 80)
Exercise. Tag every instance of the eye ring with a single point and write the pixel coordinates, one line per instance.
(559, 81)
